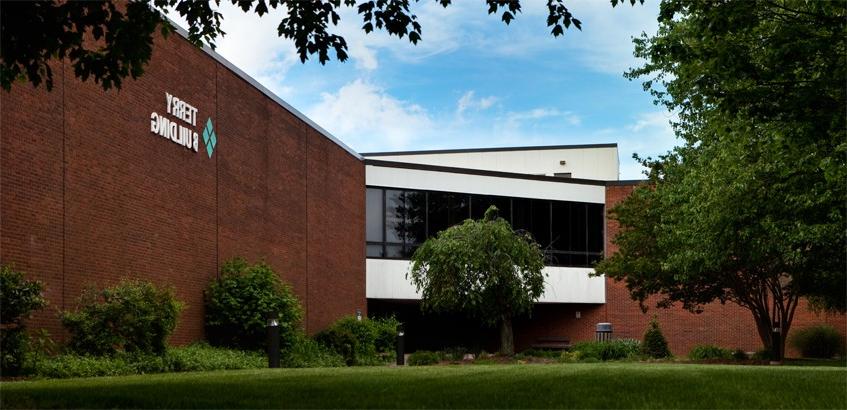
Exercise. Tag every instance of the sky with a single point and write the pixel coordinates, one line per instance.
(472, 82)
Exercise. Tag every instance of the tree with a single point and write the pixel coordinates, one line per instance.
(483, 269)
(111, 40)
(751, 208)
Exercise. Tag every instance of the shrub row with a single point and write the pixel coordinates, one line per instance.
(198, 357)
(424, 358)
(619, 349)
(710, 352)
(305, 352)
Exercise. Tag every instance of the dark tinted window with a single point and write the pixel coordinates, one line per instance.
(459, 208)
(539, 224)
(596, 227)
(398, 221)
(395, 221)
(480, 203)
(414, 211)
(373, 215)
(576, 228)
(375, 251)
(438, 214)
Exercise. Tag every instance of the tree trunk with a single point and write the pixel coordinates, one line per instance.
(507, 338)
(765, 322)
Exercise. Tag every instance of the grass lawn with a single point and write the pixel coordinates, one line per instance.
(579, 385)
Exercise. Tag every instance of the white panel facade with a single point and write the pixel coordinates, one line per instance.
(599, 163)
(480, 184)
(386, 279)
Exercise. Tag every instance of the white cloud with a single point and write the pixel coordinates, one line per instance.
(252, 44)
(649, 134)
(468, 101)
(521, 118)
(605, 42)
(366, 116)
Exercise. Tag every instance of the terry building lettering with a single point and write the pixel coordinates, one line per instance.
(173, 129)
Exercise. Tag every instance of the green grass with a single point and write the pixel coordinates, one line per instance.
(604, 385)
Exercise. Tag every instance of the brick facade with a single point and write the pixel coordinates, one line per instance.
(90, 195)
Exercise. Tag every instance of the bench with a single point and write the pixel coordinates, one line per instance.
(552, 343)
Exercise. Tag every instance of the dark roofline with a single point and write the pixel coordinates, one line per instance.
(250, 80)
(481, 172)
(499, 149)
(628, 182)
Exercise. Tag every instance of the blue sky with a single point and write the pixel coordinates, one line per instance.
(472, 81)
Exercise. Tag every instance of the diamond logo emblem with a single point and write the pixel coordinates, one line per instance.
(209, 137)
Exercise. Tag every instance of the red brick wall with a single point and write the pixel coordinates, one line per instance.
(88, 195)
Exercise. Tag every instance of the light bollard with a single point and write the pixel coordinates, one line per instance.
(273, 341)
(401, 346)
(776, 344)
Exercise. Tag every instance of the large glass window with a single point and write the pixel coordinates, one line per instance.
(398, 221)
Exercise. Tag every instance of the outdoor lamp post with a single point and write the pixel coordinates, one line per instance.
(273, 341)
(401, 346)
(776, 342)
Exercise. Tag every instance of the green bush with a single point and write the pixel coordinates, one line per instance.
(385, 333)
(424, 358)
(305, 352)
(360, 342)
(542, 353)
(73, 365)
(133, 316)
(619, 349)
(454, 354)
(568, 356)
(822, 342)
(739, 354)
(763, 354)
(202, 357)
(14, 345)
(709, 352)
(18, 298)
(655, 345)
(239, 302)
(198, 357)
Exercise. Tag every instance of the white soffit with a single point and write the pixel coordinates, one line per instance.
(386, 279)
(481, 184)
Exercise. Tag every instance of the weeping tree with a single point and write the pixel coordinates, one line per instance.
(483, 269)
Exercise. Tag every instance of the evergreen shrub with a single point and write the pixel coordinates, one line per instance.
(655, 345)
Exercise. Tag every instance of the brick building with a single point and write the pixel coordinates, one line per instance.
(195, 163)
